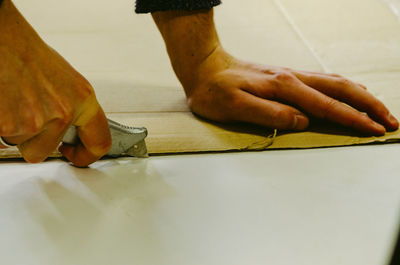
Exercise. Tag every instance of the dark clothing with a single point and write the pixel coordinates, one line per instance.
(146, 6)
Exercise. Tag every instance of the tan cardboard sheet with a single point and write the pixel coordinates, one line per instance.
(123, 56)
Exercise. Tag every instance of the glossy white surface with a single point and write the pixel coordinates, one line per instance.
(323, 206)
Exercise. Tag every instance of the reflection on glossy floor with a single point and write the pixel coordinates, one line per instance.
(322, 206)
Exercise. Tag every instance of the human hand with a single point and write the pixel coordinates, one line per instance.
(230, 90)
(41, 95)
(222, 88)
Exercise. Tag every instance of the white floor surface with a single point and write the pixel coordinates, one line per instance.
(322, 206)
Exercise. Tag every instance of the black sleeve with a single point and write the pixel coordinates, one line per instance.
(1, 1)
(146, 6)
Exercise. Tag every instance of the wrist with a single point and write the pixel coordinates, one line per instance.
(191, 39)
(207, 70)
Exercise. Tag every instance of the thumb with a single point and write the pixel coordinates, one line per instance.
(269, 113)
(95, 141)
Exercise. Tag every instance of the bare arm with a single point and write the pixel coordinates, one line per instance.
(41, 95)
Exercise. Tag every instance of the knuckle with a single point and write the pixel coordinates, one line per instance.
(276, 70)
(286, 69)
(343, 82)
(282, 80)
(67, 115)
(31, 119)
(363, 86)
(34, 125)
(63, 113)
(32, 128)
(284, 76)
(336, 75)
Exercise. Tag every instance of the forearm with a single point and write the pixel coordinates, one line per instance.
(190, 37)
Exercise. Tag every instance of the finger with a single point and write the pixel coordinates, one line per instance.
(351, 93)
(4, 144)
(95, 141)
(256, 110)
(16, 140)
(325, 75)
(39, 147)
(18, 131)
(324, 107)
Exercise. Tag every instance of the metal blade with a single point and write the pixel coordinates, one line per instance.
(126, 140)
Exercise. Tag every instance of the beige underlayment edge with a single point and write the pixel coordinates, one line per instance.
(168, 134)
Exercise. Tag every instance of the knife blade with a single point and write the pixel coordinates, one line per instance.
(126, 140)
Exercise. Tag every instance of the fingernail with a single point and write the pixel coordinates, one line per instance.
(393, 120)
(300, 122)
(379, 128)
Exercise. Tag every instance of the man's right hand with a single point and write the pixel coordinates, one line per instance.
(41, 95)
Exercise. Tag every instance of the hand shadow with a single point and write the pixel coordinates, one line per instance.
(111, 206)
